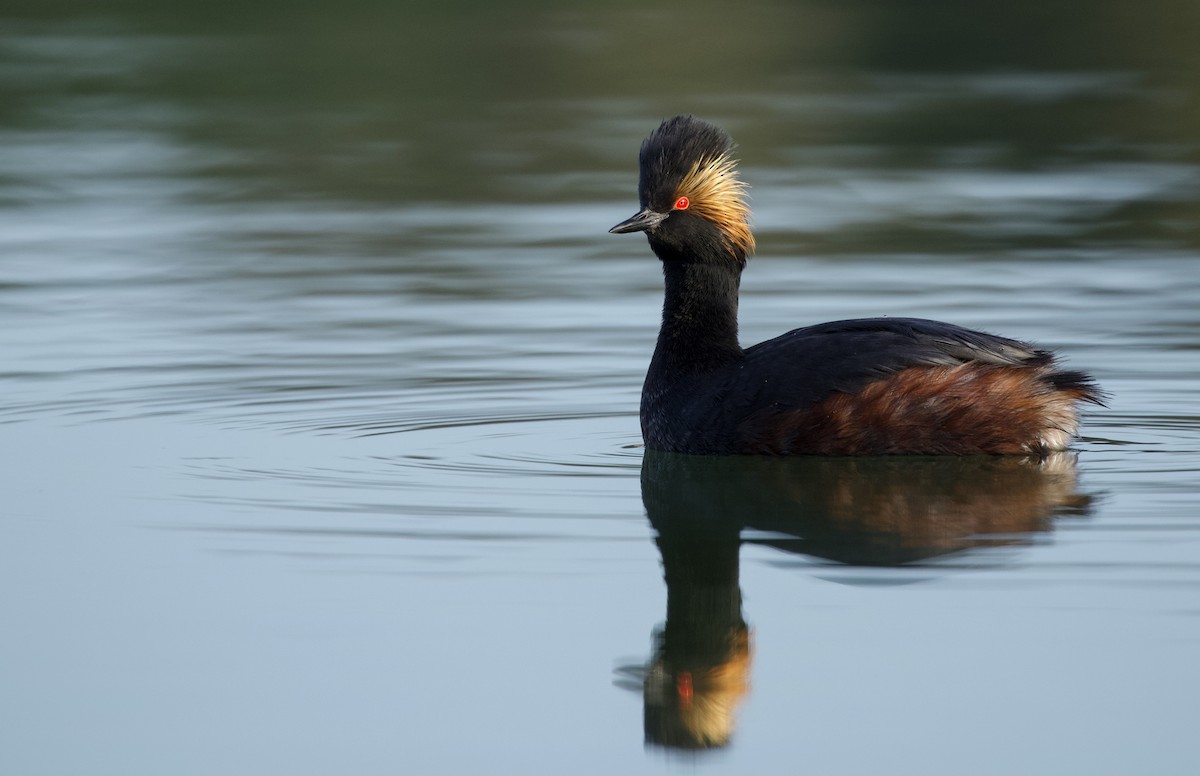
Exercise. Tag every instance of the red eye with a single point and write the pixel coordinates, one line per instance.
(682, 203)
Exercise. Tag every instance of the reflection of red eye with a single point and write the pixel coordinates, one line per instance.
(682, 203)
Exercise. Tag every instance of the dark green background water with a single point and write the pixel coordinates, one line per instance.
(320, 382)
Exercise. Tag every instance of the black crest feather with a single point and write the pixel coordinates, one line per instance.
(671, 152)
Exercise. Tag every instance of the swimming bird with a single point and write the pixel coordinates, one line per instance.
(870, 386)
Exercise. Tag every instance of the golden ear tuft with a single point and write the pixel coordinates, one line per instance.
(715, 192)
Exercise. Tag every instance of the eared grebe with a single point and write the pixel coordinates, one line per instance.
(873, 386)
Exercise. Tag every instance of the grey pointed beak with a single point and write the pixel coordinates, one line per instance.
(644, 221)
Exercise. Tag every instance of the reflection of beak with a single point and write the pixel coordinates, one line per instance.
(644, 221)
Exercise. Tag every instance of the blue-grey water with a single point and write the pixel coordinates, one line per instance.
(318, 400)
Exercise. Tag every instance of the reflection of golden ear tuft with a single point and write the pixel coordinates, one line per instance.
(705, 719)
(716, 694)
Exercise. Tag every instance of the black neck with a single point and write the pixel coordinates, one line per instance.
(699, 326)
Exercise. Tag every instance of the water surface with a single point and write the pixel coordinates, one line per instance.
(321, 376)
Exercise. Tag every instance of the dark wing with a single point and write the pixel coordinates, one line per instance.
(807, 365)
(803, 367)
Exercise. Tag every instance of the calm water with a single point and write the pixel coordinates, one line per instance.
(319, 395)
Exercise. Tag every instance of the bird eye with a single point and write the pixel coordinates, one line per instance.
(682, 203)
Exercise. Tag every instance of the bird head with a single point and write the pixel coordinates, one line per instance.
(693, 202)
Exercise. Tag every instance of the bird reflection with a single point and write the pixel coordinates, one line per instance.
(859, 511)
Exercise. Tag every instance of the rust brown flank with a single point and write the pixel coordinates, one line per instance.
(958, 410)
